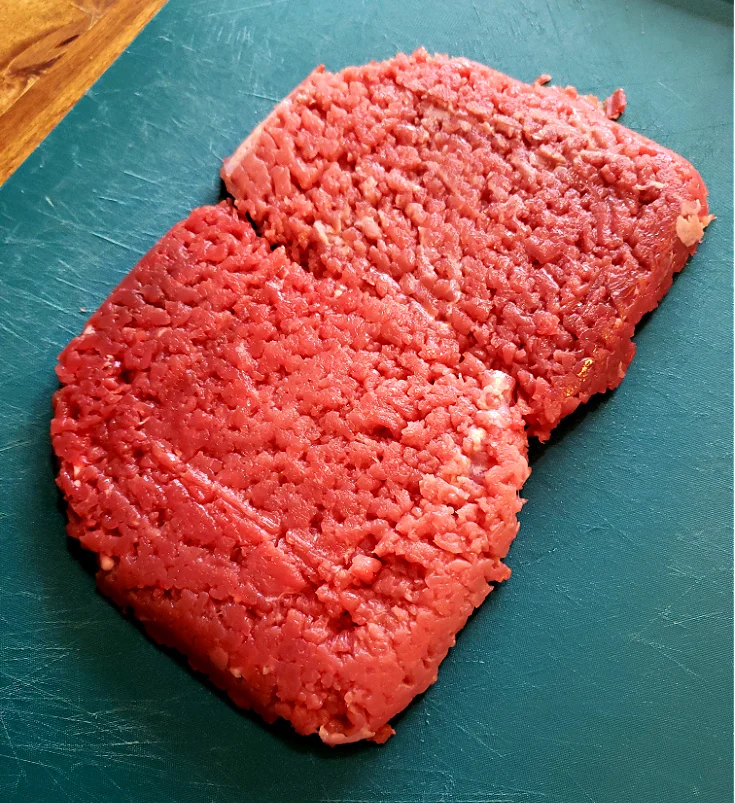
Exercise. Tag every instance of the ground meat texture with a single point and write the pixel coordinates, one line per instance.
(301, 487)
(540, 229)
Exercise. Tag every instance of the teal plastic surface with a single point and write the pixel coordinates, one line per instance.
(602, 671)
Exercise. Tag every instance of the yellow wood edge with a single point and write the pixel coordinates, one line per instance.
(30, 119)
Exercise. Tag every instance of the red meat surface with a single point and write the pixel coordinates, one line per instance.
(539, 229)
(298, 485)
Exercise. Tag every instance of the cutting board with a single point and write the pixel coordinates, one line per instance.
(601, 672)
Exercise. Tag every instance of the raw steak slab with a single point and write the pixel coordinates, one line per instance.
(540, 229)
(296, 484)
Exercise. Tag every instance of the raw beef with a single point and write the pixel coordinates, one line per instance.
(538, 228)
(300, 486)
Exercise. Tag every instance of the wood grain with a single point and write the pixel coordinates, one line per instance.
(51, 52)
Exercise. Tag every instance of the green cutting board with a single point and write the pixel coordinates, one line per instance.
(601, 672)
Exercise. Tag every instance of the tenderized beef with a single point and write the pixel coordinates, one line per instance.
(520, 214)
(298, 455)
(294, 483)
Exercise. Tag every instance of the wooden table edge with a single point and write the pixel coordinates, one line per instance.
(36, 112)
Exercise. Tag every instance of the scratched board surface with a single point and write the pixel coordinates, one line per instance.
(601, 672)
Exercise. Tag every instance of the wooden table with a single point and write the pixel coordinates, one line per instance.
(51, 51)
